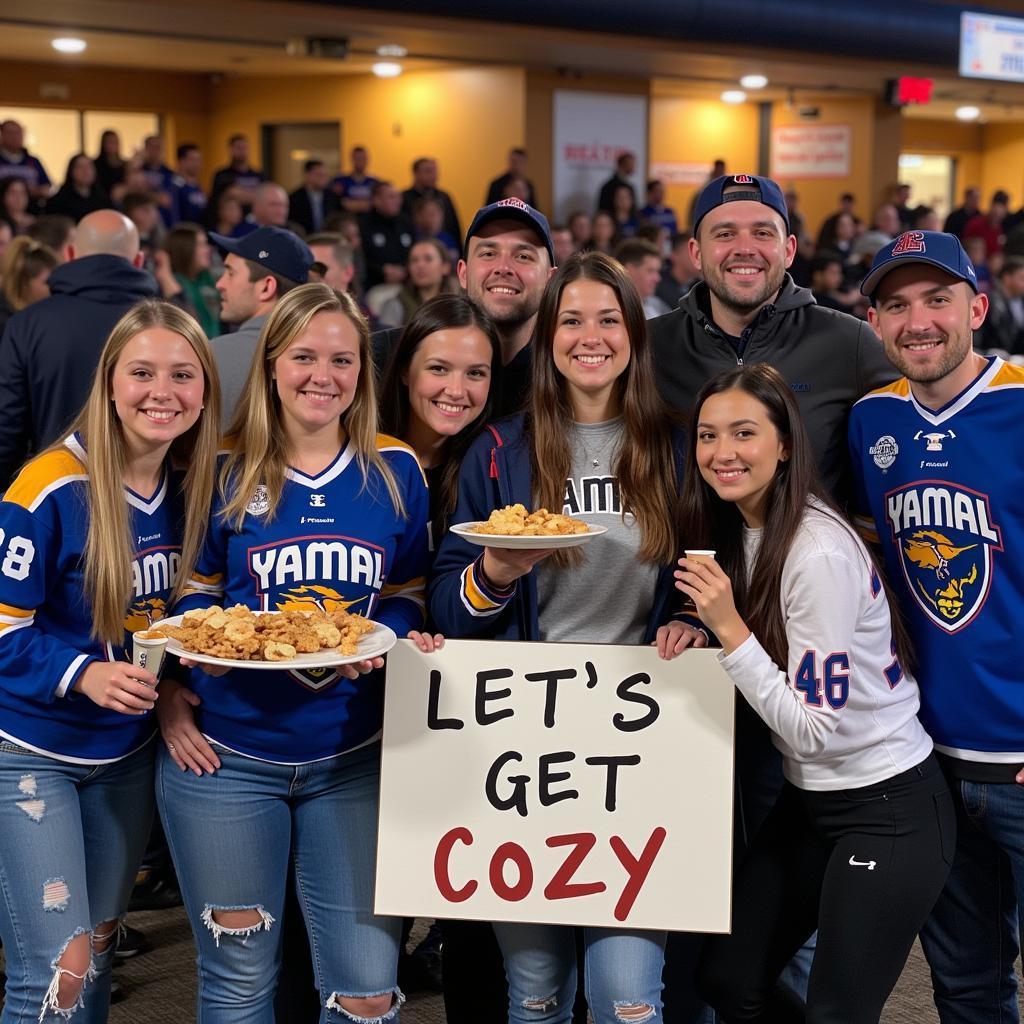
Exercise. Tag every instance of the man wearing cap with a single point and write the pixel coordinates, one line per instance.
(939, 478)
(748, 310)
(258, 269)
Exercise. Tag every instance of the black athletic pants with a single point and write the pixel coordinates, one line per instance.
(863, 866)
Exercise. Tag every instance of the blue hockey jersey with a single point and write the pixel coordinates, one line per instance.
(45, 618)
(334, 542)
(941, 491)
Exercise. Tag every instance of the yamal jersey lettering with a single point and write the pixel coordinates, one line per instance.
(334, 543)
(45, 619)
(943, 491)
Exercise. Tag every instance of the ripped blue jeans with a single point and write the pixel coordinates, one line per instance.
(71, 838)
(231, 834)
(622, 971)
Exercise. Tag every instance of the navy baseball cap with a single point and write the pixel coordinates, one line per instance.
(938, 248)
(749, 187)
(281, 252)
(512, 209)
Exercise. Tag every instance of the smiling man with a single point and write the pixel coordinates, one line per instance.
(747, 309)
(939, 480)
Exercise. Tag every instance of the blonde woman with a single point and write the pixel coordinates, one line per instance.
(94, 543)
(315, 508)
(25, 272)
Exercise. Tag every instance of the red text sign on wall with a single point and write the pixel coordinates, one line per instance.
(567, 783)
(811, 151)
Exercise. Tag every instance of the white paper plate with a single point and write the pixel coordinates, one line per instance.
(498, 540)
(371, 645)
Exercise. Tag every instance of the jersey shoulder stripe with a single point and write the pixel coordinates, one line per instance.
(899, 389)
(1007, 376)
(387, 443)
(42, 476)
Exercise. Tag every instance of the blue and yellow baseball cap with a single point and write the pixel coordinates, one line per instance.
(937, 248)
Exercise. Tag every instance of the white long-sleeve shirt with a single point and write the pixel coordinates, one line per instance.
(844, 713)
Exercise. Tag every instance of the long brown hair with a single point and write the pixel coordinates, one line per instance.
(645, 465)
(709, 522)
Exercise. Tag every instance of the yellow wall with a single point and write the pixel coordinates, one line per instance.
(962, 141)
(1002, 164)
(467, 117)
(694, 130)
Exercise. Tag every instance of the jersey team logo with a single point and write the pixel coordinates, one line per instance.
(933, 440)
(259, 504)
(945, 537)
(884, 451)
(909, 241)
(742, 179)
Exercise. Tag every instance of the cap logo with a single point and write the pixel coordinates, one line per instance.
(909, 241)
(742, 179)
(513, 201)
(263, 254)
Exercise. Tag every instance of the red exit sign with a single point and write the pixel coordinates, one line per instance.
(913, 90)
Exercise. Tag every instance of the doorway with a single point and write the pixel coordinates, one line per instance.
(931, 180)
(286, 147)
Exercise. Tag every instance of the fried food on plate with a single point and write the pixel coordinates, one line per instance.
(515, 521)
(239, 634)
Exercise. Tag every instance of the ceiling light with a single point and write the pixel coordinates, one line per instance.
(753, 81)
(68, 44)
(387, 69)
(391, 50)
(734, 96)
(968, 113)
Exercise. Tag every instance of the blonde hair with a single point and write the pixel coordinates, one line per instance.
(24, 260)
(110, 546)
(261, 451)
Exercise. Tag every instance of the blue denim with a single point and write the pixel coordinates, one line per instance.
(231, 834)
(971, 939)
(622, 969)
(71, 838)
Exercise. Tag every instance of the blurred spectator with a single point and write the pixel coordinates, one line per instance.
(642, 261)
(313, 202)
(656, 211)
(1011, 222)
(25, 273)
(516, 188)
(387, 237)
(958, 218)
(604, 232)
(15, 202)
(109, 163)
(887, 221)
(828, 286)
(924, 218)
(269, 210)
(159, 177)
(864, 249)
(624, 211)
(838, 234)
(901, 200)
(428, 222)
(239, 174)
(49, 350)
(424, 183)
(516, 169)
(625, 166)
(258, 270)
(976, 249)
(347, 225)
(681, 273)
(989, 226)
(190, 201)
(189, 257)
(829, 233)
(562, 244)
(227, 214)
(355, 190)
(334, 258)
(656, 234)
(1003, 328)
(430, 271)
(6, 236)
(142, 210)
(56, 232)
(17, 162)
(80, 194)
(579, 226)
(797, 225)
(717, 170)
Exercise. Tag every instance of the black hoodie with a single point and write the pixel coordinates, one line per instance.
(49, 351)
(830, 360)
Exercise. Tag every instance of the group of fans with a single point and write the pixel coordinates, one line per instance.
(302, 461)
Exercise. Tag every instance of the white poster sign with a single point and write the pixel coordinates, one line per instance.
(811, 151)
(561, 783)
(991, 47)
(671, 172)
(591, 129)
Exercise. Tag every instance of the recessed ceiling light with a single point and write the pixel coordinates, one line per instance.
(387, 69)
(68, 44)
(734, 96)
(753, 81)
(968, 113)
(391, 50)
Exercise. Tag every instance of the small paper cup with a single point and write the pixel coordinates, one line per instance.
(148, 651)
(690, 552)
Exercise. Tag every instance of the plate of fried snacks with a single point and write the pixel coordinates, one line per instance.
(241, 638)
(514, 527)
